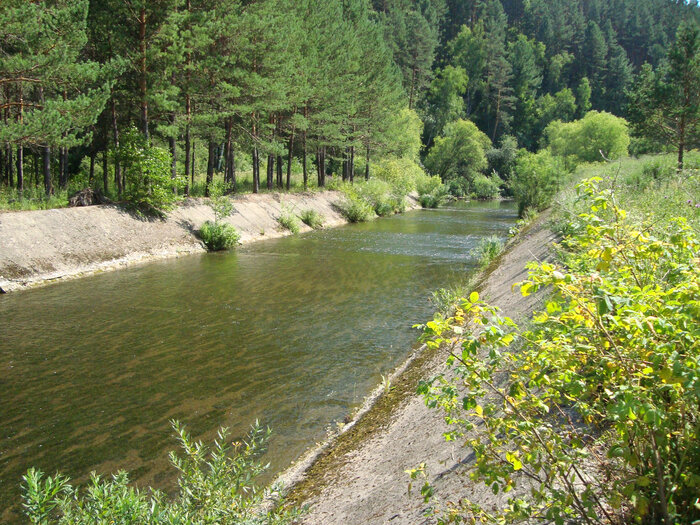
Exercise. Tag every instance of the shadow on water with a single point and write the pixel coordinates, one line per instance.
(293, 331)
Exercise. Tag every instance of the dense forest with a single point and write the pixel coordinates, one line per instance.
(273, 88)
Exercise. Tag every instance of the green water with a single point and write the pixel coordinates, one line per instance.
(294, 332)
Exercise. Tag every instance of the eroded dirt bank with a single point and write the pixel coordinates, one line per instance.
(361, 478)
(39, 247)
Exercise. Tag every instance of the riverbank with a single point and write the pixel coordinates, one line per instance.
(361, 477)
(46, 246)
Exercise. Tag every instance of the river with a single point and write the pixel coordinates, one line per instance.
(293, 332)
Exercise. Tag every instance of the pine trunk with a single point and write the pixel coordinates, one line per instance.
(10, 166)
(118, 179)
(211, 162)
(290, 157)
(280, 172)
(47, 170)
(91, 175)
(270, 171)
(367, 163)
(256, 170)
(352, 164)
(20, 168)
(105, 171)
(143, 86)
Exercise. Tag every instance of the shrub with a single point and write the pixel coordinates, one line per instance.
(536, 180)
(488, 249)
(460, 152)
(401, 173)
(219, 235)
(594, 419)
(355, 209)
(289, 221)
(216, 485)
(594, 138)
(458, 187)
(147, 172)
(487, 187)
(502, 159)
(312, 219)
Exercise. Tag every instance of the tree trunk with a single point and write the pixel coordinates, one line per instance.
(270, 171)
(290, 157)
(227, 154)
(256, 170)
(323, 167)
(10, 166)
(105, 171)
(143, 86)
(352, 164)
(62, 178)
(91, 175)
(47, 170)
(210, 167)
(194, 143)
(280, 172)
(20, 168)
(367, 163)
(118, 179)
(345, 165)
(232, 168)
(188, 164)
(303, 164)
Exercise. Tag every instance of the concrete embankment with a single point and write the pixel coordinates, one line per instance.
(39, 247)
(361, 478)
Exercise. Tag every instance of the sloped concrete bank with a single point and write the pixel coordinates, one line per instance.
(359, 477)
(40, 247)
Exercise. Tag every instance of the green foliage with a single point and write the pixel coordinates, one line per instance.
(665, 104)
(432, 192)
(502, 159)
(488, 249)
(486, 188)
(537, 178)
(596, 137)
(216, 485)
(355, 209)
(593, 417)
(289, 220)
(403, 174)
(459, 152)
(149, 186)
(312, 218)
(219, 236)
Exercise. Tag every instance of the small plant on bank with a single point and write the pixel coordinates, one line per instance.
(312, 218)
(289, 221)
(219, 235)
(487, 250)
(216, 485)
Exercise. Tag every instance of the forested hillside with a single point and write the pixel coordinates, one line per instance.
(281, 88)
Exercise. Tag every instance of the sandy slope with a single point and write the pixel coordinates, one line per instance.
(37, 247)
(367, 483)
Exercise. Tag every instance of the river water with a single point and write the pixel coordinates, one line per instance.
(293, 332)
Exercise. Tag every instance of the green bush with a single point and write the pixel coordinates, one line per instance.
(486, 188)
(458, 187)
(216, 485)
(460, 152)
(536, 180)
(312, 219)
(219, 236)
(596, 137)
(355, 209)
(289, 221)
(594, 418)
(488, 249)
(147, 172)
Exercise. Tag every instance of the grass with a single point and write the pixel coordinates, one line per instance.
(219, 236)
(312, 219)
(289, 221)
(648, 186)
(487, 250)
